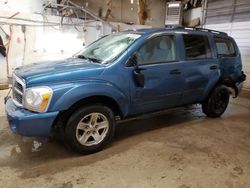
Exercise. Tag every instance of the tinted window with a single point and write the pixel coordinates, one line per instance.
(196, 46)
(157, 50)
(225, 47)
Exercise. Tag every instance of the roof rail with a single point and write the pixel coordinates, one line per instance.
(210, 30)
(196, 28)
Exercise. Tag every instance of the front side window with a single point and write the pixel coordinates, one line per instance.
(157, 50)
(196, 46)
(109, 47)
(224, 47)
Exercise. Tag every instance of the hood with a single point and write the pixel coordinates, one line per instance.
(59, 71)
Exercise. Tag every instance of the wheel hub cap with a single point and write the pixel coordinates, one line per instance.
(92, 129)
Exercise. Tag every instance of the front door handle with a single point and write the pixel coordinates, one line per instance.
(175, 71)
(213, 67)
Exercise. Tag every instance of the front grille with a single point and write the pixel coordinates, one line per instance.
(18, 90)
(18, 86)
(18, 97)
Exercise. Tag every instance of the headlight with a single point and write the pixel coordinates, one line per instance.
(38, 98)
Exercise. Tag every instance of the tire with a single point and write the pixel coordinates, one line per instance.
(90, 128)
(217, 102)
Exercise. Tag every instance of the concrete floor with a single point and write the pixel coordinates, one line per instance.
(179, 148)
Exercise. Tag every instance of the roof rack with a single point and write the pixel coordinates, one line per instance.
(197, 29)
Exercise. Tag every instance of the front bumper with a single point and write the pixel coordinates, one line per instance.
(27, 123)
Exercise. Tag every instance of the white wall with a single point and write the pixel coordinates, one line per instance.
(29, 44)
(9, 8)
(28, 6)
(33, 42)
(192, 14)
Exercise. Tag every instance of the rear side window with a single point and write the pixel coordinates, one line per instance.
(224, 47)
(196, 47)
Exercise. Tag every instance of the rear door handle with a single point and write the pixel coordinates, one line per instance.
(175, 71)
(213, 67)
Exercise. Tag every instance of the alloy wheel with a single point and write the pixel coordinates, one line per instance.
(92, 129)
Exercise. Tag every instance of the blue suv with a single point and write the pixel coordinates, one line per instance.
(122, 75)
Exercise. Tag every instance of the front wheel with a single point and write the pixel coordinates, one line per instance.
(90, 128)
(217, 102)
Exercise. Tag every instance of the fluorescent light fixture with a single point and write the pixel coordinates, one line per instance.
(173, 4)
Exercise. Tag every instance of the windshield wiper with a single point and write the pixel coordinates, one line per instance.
(95, 60)
(82, 57)
(89, 58)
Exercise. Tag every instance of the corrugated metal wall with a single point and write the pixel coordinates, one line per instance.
(224, 11)
(233, 17)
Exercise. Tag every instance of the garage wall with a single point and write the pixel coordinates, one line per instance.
(125, 11)
(232, 17)
(224, 11)
(29, 44)
(121, 10)
(22, 6)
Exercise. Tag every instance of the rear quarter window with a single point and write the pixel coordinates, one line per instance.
(225, 47)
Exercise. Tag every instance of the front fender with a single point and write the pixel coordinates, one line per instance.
(65, 95)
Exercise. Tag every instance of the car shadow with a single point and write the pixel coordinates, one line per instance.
(158, 120)
(37, 157)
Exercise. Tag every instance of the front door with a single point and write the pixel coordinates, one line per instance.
(163, 80)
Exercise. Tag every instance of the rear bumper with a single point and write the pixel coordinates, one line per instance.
(239, 84)
(27, 123)
(235, 84)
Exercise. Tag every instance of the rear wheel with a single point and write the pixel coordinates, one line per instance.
(217, 102)
(90, 128)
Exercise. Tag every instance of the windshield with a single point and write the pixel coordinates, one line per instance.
(107, 48)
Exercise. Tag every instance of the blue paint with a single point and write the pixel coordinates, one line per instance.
(74, 79)
(28, 123)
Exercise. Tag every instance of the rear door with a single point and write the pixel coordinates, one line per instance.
(201, 67)
(229, 57)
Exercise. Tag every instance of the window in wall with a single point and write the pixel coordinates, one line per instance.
(196, 46)
(224, 47)
(157, 50)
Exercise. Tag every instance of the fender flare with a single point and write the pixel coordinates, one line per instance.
(75, 92)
